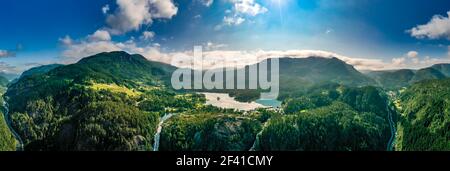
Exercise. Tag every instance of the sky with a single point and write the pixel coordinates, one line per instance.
(369, 34)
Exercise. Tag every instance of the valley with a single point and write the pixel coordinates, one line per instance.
(122, 102)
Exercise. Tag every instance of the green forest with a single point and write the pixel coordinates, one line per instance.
(335, 118)
(7, 141)
(425, 124)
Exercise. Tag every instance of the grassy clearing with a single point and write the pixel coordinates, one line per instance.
(115, 89)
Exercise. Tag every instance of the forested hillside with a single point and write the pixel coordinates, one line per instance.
(209, 131)
(332, 117)
(425, 124)
(95, 104)
(7, 141)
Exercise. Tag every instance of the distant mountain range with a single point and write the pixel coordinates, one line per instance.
(294, 72)
(443, 68)
(395, 79)
(9, 76)
(3, 81)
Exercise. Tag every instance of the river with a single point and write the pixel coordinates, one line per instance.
(19, 146)
(391, 142)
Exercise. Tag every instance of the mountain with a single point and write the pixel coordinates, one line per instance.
(121, 67)
(427, 74)
(9, 76)
(393, 79)
(443, 68)
(111, 68)
(109, 101)
(40, 70)
(36, 70)
(3, 81)
(426, 110)
(296, 75)
(317, 70)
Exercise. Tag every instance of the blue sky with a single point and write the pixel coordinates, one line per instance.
(32, 32)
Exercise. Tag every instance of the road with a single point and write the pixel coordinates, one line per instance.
(19, 146)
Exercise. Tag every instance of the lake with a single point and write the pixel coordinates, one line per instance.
(224, 100)
(269, 102)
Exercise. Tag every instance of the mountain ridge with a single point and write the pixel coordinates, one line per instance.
(394, 79)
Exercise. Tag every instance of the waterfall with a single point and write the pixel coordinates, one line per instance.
(158, 130)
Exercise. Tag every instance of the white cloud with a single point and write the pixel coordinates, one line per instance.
(162, 8)
(3, 53)
(6, 53)
(76, 51)
(197, 16)
(6, 68)
(207, 3)
(242, 58)
(398, 62)
(248, 7)
(147, 35)
(437, 27)
(66, 40)
(242, 9)
(214, 46)
(413, 61)
(132, 14)
(428, 61)
(218, 27)
(105, 9)
(88, 47)
(412, 54)
(100, 35)
(233, 20)
(226, 58)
